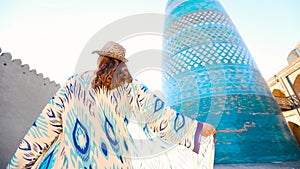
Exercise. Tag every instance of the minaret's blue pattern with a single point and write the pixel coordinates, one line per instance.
(211, 76)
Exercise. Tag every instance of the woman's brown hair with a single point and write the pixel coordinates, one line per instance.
(111, 73)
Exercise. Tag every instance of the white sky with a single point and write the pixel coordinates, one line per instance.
(50, 35)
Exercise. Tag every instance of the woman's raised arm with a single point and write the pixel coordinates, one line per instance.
(169, 124)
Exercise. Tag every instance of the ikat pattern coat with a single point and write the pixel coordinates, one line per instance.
(82, 127)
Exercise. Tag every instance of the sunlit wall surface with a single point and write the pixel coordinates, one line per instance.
(211, 76)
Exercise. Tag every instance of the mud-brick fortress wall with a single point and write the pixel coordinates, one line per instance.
(23, 94)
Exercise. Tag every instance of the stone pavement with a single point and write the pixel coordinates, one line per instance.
(279, 165)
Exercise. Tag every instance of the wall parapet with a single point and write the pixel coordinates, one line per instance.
(6, 60)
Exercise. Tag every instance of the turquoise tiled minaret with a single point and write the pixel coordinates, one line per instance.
(211, 76)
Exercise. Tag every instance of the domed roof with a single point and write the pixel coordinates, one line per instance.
(297, 45)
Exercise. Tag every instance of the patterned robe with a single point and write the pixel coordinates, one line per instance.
(127, 127)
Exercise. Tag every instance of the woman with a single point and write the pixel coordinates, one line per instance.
(85, 124)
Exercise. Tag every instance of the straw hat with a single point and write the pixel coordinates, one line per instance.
(113, 50)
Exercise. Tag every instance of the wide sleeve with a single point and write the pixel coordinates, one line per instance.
(44, 130)
(166, 122)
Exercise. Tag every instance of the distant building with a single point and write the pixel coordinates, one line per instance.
(294, 54)
(285, 86)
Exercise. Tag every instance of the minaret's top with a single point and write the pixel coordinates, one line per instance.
(179, 8)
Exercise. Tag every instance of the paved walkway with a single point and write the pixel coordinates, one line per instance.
(279, 165)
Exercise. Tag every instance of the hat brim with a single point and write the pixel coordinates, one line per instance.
(111, 55)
